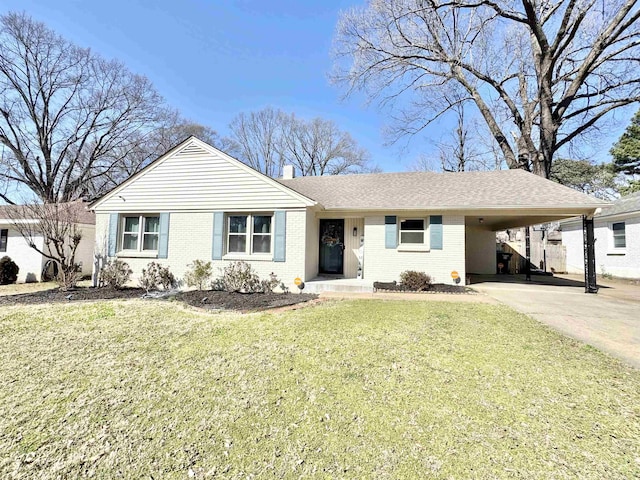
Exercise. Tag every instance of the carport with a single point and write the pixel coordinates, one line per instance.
(481, 228)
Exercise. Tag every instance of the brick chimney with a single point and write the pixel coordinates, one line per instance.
(288, 172)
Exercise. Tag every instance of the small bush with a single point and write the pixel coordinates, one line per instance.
(217, 285)
(240, 277)
(166, 278)
(8, 271)
(417, 281)
(199, 274)
(115, 274)
(267, 286)
(156, 275)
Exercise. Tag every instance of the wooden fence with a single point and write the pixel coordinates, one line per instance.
(555, 255)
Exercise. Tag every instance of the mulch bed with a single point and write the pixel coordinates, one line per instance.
(434, 288)
(215, 300)
(81, 293)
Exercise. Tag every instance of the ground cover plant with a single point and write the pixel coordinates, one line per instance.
(359, 389)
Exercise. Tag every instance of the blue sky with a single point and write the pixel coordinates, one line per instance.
(213, 60)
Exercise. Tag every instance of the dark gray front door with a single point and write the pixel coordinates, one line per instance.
(331, 246)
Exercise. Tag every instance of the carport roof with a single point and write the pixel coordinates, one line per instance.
(501, 189)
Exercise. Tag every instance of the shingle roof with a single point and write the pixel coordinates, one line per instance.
(429, 190)
(628, 204)
(78, 209)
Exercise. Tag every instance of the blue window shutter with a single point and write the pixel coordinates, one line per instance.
(163, 238)
(280, 236)
(112, 242)
(390, 231)
(218, 235)
(435, 226)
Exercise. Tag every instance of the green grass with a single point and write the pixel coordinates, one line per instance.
(361, 389)
(18, 288)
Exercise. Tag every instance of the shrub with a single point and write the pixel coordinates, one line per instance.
(199, 274)
(154, 275)
(267, 286)
(417, 281)
(69, 277)
(8, 271)
(115, 273)
(166, 278)
(239, 276)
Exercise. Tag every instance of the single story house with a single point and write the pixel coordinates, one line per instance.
(31, 263)
(617, 235)
(196, 202)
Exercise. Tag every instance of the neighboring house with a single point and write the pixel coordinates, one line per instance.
(617, 234)
(196, 202)
(32, 263)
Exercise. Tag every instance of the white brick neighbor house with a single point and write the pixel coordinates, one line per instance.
(196, 202)
(617, 234)
(30, 262)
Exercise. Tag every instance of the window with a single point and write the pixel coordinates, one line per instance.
(140, 232)
(249, 234)
(4, 235)
(619, 237)
(412, 231)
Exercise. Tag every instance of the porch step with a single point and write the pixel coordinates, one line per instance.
(353, 285)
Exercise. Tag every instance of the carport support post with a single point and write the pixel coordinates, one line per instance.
(590, 285)
(527, 242)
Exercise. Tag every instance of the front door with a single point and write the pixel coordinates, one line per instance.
(331, 246)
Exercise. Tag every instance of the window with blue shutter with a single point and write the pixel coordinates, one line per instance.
(112, 241)
(280, 236)
(435, 226)
(163, 238)
(218, 236)
(390, 231)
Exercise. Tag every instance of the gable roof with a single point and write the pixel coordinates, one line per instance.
(441, 191)
(205, 156)
(78, 210)
(627, 204)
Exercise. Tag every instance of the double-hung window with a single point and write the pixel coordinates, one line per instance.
(140, 232)
(249, 234)
(413, 231)
(4, 236)
(619, 236)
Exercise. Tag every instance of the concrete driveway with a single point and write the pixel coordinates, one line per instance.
(609, 320)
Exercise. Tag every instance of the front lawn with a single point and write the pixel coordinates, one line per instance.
(360, 389)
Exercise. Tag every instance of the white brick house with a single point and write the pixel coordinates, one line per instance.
(29, 261)
(617, 235)
(196, 202)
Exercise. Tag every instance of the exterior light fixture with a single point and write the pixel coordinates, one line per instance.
(355, 231)
(481, 220)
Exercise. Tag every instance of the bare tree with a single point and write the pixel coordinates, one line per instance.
(461, 149)
(67, 116)
(319, 147)
(540, 72)
(268, 139)
(256, 139)
(53, 230)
